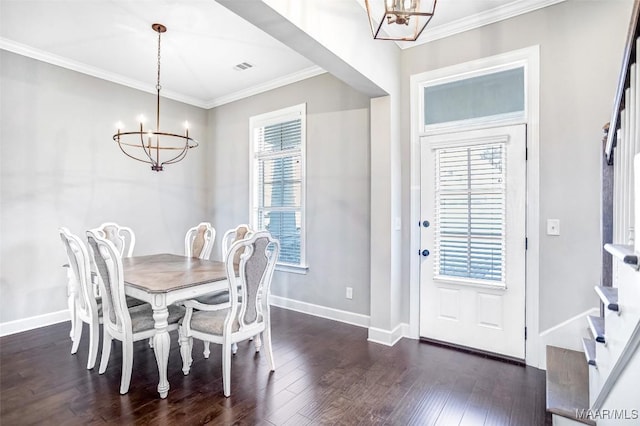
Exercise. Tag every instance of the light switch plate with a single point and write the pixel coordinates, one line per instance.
(553, 226)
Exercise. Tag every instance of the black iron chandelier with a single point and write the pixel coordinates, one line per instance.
(154, 146)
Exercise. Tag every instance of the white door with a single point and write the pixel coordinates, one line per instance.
(472, 273)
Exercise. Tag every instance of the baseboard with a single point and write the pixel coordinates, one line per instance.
(376, 335)
(320, 311)
(388, 337)
(25, 324)
(568, 335)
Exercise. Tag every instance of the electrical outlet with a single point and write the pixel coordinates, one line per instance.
(349, 293)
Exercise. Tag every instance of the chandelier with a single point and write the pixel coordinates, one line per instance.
(400, 20)
(154, 146)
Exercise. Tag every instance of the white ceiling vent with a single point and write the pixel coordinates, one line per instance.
(243, 66)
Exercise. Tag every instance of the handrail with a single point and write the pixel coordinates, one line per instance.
(627, 353)
(623, 81)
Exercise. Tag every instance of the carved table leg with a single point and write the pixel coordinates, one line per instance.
(161, 343)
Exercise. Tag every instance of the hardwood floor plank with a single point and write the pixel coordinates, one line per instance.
(475, 412)
(456, 403)
(326, 373)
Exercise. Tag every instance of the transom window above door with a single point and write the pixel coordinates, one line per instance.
(463, 100)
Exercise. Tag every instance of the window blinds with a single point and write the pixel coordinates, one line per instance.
(279, 185)
(470, 213)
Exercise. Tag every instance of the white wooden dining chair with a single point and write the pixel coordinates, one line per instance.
(230, 236)
(234, 321)
(122, 237)
(199, 240)
(86, 308)
(119, 321)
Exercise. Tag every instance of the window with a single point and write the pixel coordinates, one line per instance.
(470, 211)
(464, 99)
(278, 184)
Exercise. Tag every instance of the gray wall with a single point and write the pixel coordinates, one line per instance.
(337, 186)
(60, 167)
(580, 57)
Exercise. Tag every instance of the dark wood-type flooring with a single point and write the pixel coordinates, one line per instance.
(327, 373)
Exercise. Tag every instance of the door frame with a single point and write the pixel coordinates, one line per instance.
(530, 58)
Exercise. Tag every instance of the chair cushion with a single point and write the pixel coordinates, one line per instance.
(211, 322)
(132, 301)
(214, 298)
(142, 316)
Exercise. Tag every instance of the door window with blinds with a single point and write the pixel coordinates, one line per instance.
(278, 184)
(470, 199)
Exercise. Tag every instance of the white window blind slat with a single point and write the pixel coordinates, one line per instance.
(470, 213)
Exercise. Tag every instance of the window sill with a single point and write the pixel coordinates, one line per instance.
(295, 269)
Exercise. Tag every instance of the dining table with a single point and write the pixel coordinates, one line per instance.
(163, 279)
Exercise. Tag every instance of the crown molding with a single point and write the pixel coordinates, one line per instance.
(40, 55)
(260, 88)
(518, 7)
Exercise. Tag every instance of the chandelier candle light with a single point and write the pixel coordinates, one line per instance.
(400, 20)
(147, 145)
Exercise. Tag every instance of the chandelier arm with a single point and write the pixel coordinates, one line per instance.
(192, 142)
(126, 153)
(148, 153)
(180, 156)
(176, 159)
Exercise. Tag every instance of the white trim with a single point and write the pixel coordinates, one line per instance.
(41, 55)
(294, 269)
(320, 311)
(568, 334)
(531, 58)
(580, 317)
(26, 324)
(388, 337)
(264, 87)
(471, 22)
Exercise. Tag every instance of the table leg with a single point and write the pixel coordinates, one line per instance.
(161, 346)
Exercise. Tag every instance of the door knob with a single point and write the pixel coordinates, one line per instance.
(426, 224)
(425, 252)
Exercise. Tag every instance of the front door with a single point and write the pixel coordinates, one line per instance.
(472, 274)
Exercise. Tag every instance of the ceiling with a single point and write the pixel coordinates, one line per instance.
(113, 40)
